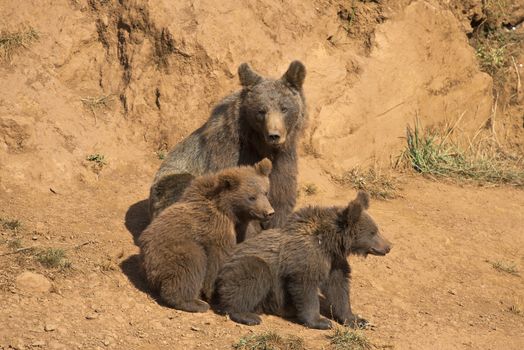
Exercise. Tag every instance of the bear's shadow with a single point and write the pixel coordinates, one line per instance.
(137, 218)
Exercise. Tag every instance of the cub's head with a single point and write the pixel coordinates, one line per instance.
(273, 109)
(365, 236)
(243, 191)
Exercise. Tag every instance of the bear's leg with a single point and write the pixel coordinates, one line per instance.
(283, 189)
(305, 298)
(335, 303)
(215, 260)
(241, 287)
(181, 289)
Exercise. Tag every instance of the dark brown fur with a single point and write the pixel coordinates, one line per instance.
(262, 120)
(282, 270)
(184, 247)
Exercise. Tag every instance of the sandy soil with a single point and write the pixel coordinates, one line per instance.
(436, 289)
(159, 67)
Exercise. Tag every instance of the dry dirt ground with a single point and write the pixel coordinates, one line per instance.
(129, 79)
(437, 288)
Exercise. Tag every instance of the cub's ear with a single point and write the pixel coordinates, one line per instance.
(247, 76)
(353, 212)
(295, 75)
(264, 167)
(363, 199)
(228, 182)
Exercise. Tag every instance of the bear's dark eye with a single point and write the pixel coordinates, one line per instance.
(252, 198)
(283, 109)
(261, 114)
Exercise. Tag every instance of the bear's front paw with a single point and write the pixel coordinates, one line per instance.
(195, 305)
(356, 322)
(321, 323)
(247, 318)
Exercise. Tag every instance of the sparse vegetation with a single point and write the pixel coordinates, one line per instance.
(373, 180)
(310, 189)
(433, 153)
(11, 42)
(53, 258)
(161, 154)
(502, 266)
(98, 161)
(344, 338)
(12, 225)
(15, 243)
(97, 158)
(516, 309)
(270, 341)
(94, 103)
(495, 45)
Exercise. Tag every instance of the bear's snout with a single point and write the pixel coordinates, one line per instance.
(274, 138)
(275, 129)
(269, 213)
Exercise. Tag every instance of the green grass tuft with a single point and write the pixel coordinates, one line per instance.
(344, 338)
(161, 154)
(97, 158)
(53, 258)
(269, 341)
(431, 153)
(98, 161)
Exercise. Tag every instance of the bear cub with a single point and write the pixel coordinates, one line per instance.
(282, 271)
(184, 247)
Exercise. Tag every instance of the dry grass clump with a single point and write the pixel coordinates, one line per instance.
(53, 258)
(11, 42)
(344, 338)
(270, 340)
(505, 267)
(373, 180)
(9, 224)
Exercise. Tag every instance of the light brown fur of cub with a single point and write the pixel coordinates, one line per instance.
(184, 247)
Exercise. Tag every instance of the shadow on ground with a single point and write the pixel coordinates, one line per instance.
(137, 218)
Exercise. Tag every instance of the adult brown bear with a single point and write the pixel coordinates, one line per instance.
(263, 120)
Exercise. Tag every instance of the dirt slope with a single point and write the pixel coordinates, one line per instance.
(126, 79)
(162, 66)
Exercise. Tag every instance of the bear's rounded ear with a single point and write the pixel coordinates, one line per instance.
(264, 167)
(363, 198)
(295, 75)
(247, 76)
(228, 182)
(353, 212)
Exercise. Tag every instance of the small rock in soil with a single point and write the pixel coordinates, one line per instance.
(32, 282)
(49, 327)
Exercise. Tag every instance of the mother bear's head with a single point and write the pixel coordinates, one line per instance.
(274, 109)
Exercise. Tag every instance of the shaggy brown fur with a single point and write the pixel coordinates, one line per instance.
(184, 247)
(264, 119)
(283, 268)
